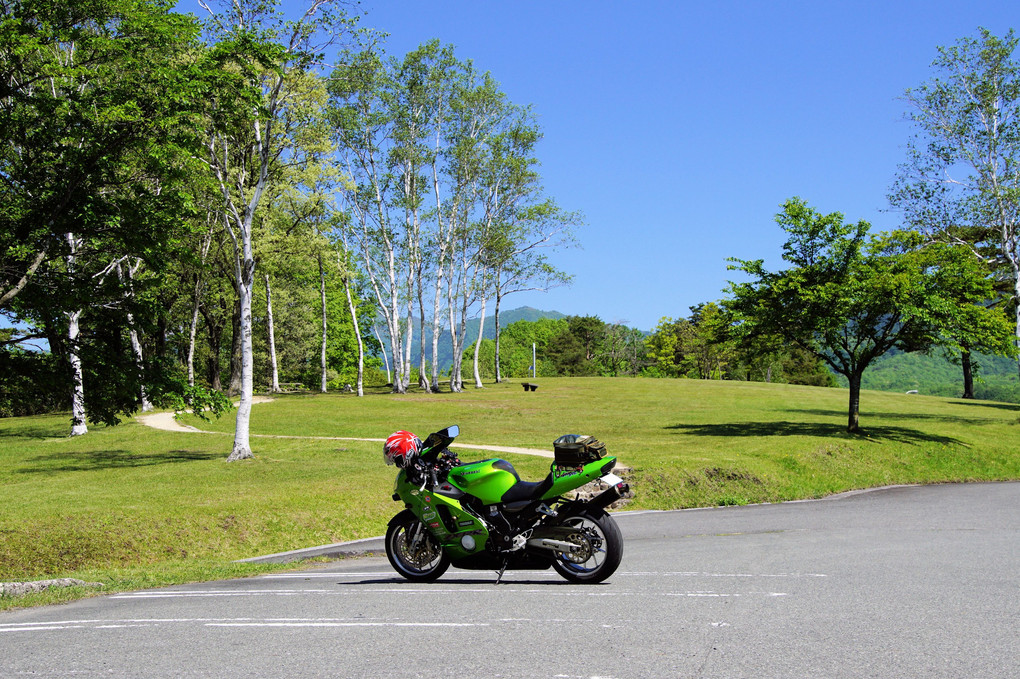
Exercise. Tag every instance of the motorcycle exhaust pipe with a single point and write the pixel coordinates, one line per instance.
(608, 496)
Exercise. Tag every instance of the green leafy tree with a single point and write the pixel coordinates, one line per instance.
(843, 298)
(101, 106)
(699, 347)
(623, 351)
(709, 342)
(517, 340)
(665, 348)
(961, 316)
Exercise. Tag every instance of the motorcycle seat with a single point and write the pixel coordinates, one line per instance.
(527, 491)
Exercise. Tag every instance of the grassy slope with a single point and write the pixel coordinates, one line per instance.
(132, 506)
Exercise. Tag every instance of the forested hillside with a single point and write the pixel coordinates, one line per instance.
(995, 377)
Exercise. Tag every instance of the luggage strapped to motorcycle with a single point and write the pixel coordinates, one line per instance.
(576, 451)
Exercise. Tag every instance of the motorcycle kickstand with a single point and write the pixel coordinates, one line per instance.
(499, 574)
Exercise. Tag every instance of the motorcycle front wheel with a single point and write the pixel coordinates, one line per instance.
(412, 550)
(599, 548)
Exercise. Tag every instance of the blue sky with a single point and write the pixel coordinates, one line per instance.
(678, 128)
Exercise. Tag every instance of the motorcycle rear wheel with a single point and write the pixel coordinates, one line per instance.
(412, 550)
(600, 546)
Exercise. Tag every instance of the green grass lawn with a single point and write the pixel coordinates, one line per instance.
(130, 506)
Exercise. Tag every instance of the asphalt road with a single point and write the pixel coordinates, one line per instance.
(902, 582)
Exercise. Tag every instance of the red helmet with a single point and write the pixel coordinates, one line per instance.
(401, 448)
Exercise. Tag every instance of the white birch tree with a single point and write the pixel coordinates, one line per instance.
(264, 55)
(363, 131)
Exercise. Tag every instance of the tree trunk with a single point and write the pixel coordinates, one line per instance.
(357, 333)
(78, 420)
(192, 332)
(853, 419)
(193, 329)
(214, 335)
(274, 370)
(136, 345)
(423, 377)
(78, 424)
(385, 356)
(436, 330)
(408, 339)
(245, 276)
(495, 315)
(236, 347)
(968, 374)
(456, 344)
(478, 345)
(324, 382)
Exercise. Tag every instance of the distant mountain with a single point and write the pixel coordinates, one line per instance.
(524, 313)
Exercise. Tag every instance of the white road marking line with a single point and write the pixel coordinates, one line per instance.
(501, 590)
(695, 574)
(390, 574)
(716, 593)
(225, 622)
(345, 624)
(309, 576)
(553, 576)
(219, 593)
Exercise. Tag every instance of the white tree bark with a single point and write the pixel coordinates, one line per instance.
(245, 271)
(478, 344)
(437, 329)
(192, 333)
(136, 345)
(357, 331)
(197, 301)
(408, 339)
(495, 318)
(78, 419)
(274, 386)
(386, 360)
(323, 387)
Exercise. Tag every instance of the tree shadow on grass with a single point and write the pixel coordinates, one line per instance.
(817, 429)
(954, 419)
(95, 460)
(1012, 407)
(28, 431)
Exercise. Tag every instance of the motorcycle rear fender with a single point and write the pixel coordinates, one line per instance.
(570, 478)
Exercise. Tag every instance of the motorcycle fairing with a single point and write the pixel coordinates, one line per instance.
(443, 516)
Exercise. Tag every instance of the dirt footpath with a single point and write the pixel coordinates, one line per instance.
(166, 422)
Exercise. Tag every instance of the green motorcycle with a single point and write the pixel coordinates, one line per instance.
(481, 515)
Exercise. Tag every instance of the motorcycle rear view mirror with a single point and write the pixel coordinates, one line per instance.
(438, 440)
